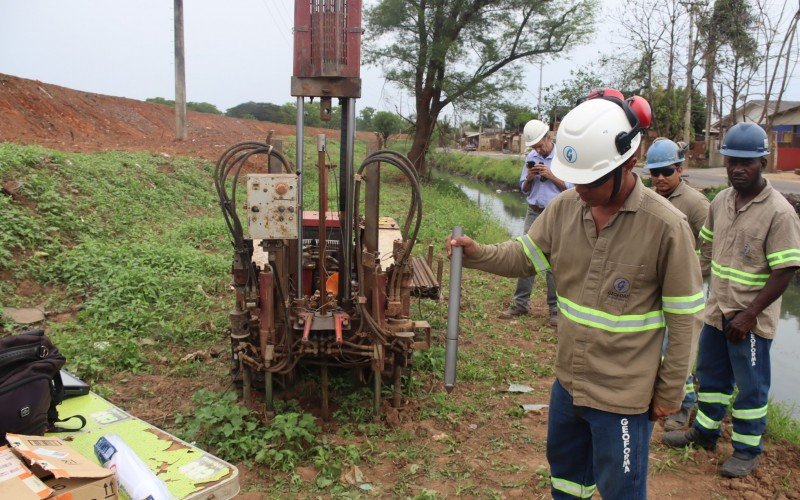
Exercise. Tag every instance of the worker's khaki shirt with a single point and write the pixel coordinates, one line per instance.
(693, 204)
(742, 248)
(616, 293)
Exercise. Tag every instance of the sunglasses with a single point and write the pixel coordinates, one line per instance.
(599, 182)
(666, 172)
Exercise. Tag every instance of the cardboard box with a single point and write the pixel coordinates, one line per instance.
(67, 473)
(17, 481)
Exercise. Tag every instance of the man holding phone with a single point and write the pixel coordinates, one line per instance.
(539, 186)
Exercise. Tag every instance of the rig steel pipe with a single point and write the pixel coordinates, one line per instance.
(298, 163)
(347, 223)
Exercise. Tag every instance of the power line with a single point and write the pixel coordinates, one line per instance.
(274, 23)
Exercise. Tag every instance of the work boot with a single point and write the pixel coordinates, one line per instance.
(680, 439)
(677, 420)
(739, 465)
(554, 317)
(513, 312)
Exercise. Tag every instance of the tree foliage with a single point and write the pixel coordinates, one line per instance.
(457, 51)
(560, 98)
(286, 113)
(386, 124)
(516, 116)
(200, 107)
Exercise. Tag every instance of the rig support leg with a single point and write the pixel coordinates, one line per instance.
(376, 405)
(326, 412)
(269, 402)
(246, 381)
(397, 381)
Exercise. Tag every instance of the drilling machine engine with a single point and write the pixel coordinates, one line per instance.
(327, 288)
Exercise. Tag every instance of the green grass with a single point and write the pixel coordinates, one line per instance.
(781, 425)
(503, 171)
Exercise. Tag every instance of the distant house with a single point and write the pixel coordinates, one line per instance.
(785, 129)
(752, 111)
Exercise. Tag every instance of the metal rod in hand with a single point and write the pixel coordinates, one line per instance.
(451, 344)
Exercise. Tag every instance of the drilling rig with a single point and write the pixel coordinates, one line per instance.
(329, 288)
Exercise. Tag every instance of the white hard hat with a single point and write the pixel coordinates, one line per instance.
(534, 131)
(586, 140)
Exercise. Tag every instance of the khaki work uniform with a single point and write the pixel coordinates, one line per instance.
(693, 204)
(616, 293)
(742, 249)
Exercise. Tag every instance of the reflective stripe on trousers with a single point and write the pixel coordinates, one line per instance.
(721, 364)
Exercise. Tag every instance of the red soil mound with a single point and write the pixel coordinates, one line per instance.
(32, 112)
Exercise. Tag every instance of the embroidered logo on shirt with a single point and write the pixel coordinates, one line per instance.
(622, 286)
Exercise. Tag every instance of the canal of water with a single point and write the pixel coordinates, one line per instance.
(508, 207)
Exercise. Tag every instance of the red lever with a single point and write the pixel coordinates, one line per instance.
(308, 318)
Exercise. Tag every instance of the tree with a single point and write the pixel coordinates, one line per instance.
(450, 51)
(726, 35)
(386, 124)
(364, 120)
(516, 116)
(200, 107)
(560, 98)
(668, 118)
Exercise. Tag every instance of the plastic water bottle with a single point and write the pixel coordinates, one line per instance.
(138, 481)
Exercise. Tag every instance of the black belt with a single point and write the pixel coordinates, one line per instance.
(536, 209)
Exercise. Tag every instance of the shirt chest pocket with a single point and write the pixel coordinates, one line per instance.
(620, 283)
(748, 251)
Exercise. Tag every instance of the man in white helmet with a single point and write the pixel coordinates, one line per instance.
(625, 267)
(539, 186)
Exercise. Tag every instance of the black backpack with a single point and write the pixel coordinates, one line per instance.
(30, 384)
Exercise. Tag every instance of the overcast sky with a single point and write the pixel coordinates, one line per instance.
(236, 50)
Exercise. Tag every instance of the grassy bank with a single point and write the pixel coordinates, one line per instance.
(503, 171)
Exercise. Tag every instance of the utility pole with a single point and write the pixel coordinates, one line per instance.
(180, 75)
(687, 117)
(539, 102)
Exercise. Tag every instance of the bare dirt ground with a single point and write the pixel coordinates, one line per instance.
(33, 112)
(484, 455)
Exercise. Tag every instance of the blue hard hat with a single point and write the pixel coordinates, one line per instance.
(745, 140)
(663, 153)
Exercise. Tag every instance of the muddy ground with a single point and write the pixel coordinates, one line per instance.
(484, 455)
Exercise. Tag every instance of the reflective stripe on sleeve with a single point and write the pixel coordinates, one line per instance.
(534, 253)
(707, 234)
(688, 304)
(689, 388)
(747, 439)
(745, 278)
(706, 422)
(572, 488)
(610, 322)
(750, 414)
(790, 255)
(714, 397)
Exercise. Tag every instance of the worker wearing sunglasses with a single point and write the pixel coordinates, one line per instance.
(665, 166)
